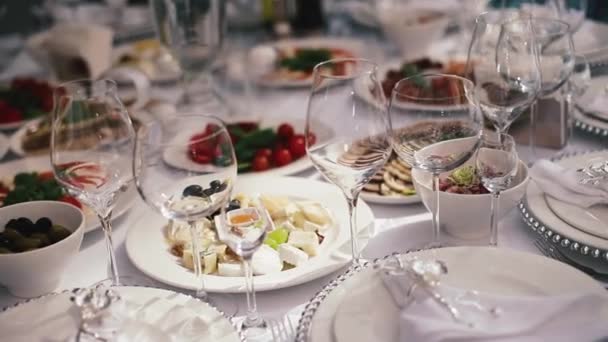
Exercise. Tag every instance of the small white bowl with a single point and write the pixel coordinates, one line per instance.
(34, 273)
(464, 218)
(412, 39)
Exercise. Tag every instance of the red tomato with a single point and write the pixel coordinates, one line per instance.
(70, 200)
(260, 163)
(200, 157)
(312, 138)
(10, 114)
(282, 157)
(266, 152)
(297, 146)
(44, 176)
(285, 131)
(211, 128)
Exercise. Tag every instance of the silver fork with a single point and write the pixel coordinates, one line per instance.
(282, 329)
(552, 252)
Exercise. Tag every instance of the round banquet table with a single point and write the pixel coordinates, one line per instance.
(397, 227)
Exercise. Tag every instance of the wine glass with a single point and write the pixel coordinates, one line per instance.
(436, 127)
(504, 68)
(577, 85)
(572, 12)
(195, 35)
(92, 141)
(360, 146)
(496, 165)
(184, 167)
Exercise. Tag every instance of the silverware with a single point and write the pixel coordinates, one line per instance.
(282, 329)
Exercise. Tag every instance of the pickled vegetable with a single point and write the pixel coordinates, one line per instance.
(23, 235)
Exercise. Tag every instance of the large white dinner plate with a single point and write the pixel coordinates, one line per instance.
(4, 145)
(323, 132)
(485, 269)
(55, 318)
(149, 251)
(379, 199)
(355, 48)
(42, 164)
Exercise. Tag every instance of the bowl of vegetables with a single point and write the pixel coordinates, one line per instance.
(37, 241)
(464, 203)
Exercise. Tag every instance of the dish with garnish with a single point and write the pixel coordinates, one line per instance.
(311, 231)
(22, 100)
(31, 179)
(266, 147)
(392, 184)
(289, 63)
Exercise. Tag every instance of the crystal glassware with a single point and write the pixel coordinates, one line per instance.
(504, 68)
(185, 168)
(361, 144)
(577, 85)
(436, 125)
(92, 141)
(496, 166)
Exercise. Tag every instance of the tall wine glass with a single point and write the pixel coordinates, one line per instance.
(496, 165)
(572, 12)
(577, 85)
(195, 36)
(504, 68)
(360, 146)
(436, 127)
(168, 179)
(92, 141)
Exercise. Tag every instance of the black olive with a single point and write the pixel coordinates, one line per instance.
(208, 192)
(233, 205)
(25, 226)
(43, 225)
(215, 184)
(222, 187)
(11, 224)
(193, 190)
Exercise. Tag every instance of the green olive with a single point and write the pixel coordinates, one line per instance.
(11, 234)
(4, 250)
(58, 233)
(24, 244)
(44, 238)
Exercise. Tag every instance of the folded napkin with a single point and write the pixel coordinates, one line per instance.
(433, 312)
(598, 105)
(563, 184)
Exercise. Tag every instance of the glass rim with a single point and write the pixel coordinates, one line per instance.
(317, 70)
(464, 80)
(487, 13)
(564, 29)
(222, 128)
(87, 80)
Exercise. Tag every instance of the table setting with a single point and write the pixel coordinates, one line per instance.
(248, 171)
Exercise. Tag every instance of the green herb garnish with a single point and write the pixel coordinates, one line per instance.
(305, 59)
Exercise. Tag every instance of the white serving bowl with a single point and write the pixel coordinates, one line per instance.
(34, 273)
(465, 219)
(412, 39)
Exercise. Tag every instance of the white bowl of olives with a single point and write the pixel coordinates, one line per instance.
(37, 241)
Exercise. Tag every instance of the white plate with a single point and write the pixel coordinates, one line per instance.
(375, 198)
(149, 252)
(491, 270)
(43, 163)
(591, 220)
(355, 47)
(4, 145)
(324, 132)
(55, 318)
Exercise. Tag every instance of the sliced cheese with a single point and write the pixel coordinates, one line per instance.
(315, 212)
(307, 241)
(230, 269)
(210, 263)
(311, 227)
(292, 255)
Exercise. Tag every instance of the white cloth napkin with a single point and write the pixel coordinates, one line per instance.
(563, 184)
(570, 317)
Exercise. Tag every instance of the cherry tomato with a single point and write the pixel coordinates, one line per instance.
(297, 146)
(266, 152)
(45, 176)
(200, 158)
(282, 157)
(260, 163)
(70, 200)
(312, 138)
(285, 131)
(211, 128)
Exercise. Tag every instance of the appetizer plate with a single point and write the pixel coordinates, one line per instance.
(379, 199)
(181, 160)
(149, 251)
(581, 246)
(43, 163)
(354, 47)
(4, 145)
(55, 315)
(333, 316)
(151, 58)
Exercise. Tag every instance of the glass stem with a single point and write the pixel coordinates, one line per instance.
(196, 261)
(352, 213)
(436, 242)
(532, 139)
(253, 318)
(112, 266)
(494, 207)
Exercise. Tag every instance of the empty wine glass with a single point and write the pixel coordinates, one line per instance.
(436, 127)
(184, 167)
(504, 68)
(92, 141)
(360, 146)
(577, 85)
(496, 165)
(572, 12)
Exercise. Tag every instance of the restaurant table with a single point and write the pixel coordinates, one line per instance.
(397, 227)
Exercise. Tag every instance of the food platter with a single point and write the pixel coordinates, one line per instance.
(148, 250)
(22, 100)
(42, 164)
(490, 270)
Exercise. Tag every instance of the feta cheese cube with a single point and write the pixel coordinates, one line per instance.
(266, 261)
(287, 225)
(292, 255)
(307, 241)
(230, 269)
(209, 263)
(298, 219)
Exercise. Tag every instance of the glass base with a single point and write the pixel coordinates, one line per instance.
(256, 331)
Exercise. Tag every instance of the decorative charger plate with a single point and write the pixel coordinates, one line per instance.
(54, 317)
(485, 269)
(149, 250)
(584, 248)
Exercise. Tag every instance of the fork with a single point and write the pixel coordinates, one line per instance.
(282, 330)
